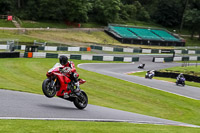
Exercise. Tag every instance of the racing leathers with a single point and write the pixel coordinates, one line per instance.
(69, 71)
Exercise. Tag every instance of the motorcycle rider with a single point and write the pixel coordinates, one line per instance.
(150, 74)
(69, 68)
(141, 66)
(180, 76)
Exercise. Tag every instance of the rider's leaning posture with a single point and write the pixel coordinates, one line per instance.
(180, 76)
(69, 70)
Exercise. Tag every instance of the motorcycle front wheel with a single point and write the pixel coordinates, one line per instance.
(47, 90)
(81, 101)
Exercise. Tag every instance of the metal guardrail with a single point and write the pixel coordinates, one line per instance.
(190, 47)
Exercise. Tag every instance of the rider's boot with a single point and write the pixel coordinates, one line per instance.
(77, 90)
(66, 95)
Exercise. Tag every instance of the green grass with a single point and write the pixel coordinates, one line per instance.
(186, 70)
(94, 37)
(190, 42)
(97, 37)
(60, 25)
(144, 24)
(73, 36)
(92, 25)
(70, 37)
(70, 52)
(33, 126)
(34, 24)
(7, 34)
(5, 23)
(28, 74)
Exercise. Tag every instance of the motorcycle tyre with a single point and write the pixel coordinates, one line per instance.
(183, 84)
(77, 103)
(44, 89)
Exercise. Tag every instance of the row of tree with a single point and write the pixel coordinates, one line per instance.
(170, 13)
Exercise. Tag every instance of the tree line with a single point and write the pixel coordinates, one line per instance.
(169, 13)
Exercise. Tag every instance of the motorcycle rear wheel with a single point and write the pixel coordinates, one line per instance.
(81, 101)
(47, 90)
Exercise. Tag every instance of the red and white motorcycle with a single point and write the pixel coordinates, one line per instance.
(60, 84)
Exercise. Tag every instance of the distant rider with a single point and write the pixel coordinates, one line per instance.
(69, 69)
(150, 74)
(180, 76)
(141, 66)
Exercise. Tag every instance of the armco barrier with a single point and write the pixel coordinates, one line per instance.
(185, 58)
(77, 57)
(118, 58)
(171, 59)
(140, 50)
(40, 48)
(86, 57)
(18, 47)
(118, 49)
(62, 48)
(51, 55)
(9, 54)
(137, 50)
(83, 49)
(174, 75)
(155, 51)
(98, 58)
(111, 49)
(135, 59)
(128, 50)
(81, 57)
(159, 60)
(48, 48)
(108, 58)
(168, 59)
(96, 47)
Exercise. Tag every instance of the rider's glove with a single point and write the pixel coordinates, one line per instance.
(61, 70)
(67, 70)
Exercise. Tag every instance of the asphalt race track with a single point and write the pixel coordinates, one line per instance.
(20, 105)
(119, 71)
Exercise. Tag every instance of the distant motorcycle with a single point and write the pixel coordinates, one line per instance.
(141, 66)
(55, 85)
(181, 81)
(150, 74)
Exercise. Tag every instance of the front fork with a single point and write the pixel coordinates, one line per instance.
(53, 82)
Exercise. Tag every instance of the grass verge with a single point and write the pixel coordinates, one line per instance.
(6, 23)
(28, 74)
(32, 126)
(191, 70)
(9, 34)
(34, 24)
(72, 37)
